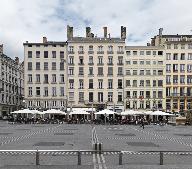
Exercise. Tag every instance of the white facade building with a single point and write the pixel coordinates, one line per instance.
(45, 74)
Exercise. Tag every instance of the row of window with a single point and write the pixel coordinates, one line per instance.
(100, 60)
(144, 94)
(7, 99)
(175, 79)
(92, 84)
(175, 67)
(99, 48)
(142, 83)
(144, 72)
(142, 52)
(100, 96)
(142, 62)
(46, 54)
(46, 66)
(179, 91)
(46, 91)
(47, 104)
(46, 78)
(179, 46)
(177, 56)
(99, 71)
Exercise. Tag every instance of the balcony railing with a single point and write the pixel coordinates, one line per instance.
(90, 52)
(71, 52)
(110, 52)
(120, 52)
(100, 52)
(80, 52)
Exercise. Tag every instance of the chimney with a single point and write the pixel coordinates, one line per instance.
(17, 60)
(160, 36)
(88, 32)
(105, 32)
(160, 31)
(109, 36)
(148, 44)
(44, 39)
(69, 32)
(92, 35)
(123, 32)
(1, 49)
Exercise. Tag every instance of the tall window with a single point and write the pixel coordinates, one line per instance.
(46, 66)
(90, 83)
(29, 65)
(46, 79)
(30, 79)
(38, 78)
(100, 71)
(61, 54)
(120, 97)
(62, 91)
(46, 93)
(54, 91)
(53, 54)
(71, 83)
(61, 65)
(38, 91)
(110, 83)
(71, 71)
(62, 78)
(110, 96)
(120, 84)
(37, 54)
(53, 65)
(29, 54)
(90, 96)
(90, 70)
(54, 80)
(30, 91)
(81, 83)
(100, 96)
(100, 83)
(45, 54)
(37, 65)
(81, 96)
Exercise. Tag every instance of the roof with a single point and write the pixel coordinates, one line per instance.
(47, 43)
(143, 47)
(95, 40)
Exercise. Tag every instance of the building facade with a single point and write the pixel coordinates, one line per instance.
(45, 74)
(178, 62)
(95, 70)
(11, 84)
(102, 72)
(144, 78)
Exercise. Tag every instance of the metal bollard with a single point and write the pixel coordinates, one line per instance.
(100, 148)
(37, 157)
(161, 158)
(120, 158)
(79, 158)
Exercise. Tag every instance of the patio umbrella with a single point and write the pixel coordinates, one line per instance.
(106, 111)
(79, 112)
(53, 111)
(24, 111)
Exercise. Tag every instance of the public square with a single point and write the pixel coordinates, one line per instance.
(130, 138)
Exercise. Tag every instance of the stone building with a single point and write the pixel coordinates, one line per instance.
(11, 84)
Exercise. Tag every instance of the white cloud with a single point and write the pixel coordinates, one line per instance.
(23, 20)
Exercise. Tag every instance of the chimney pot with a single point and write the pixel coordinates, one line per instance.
(44, 39)
(105, 32)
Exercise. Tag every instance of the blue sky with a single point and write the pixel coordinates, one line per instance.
(23, 20)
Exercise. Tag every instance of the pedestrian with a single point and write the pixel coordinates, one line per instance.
(142, 123)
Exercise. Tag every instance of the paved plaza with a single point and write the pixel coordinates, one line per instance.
(80, 137)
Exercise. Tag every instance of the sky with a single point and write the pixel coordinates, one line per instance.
(24, 20)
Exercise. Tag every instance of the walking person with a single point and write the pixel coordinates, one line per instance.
(142, 123)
